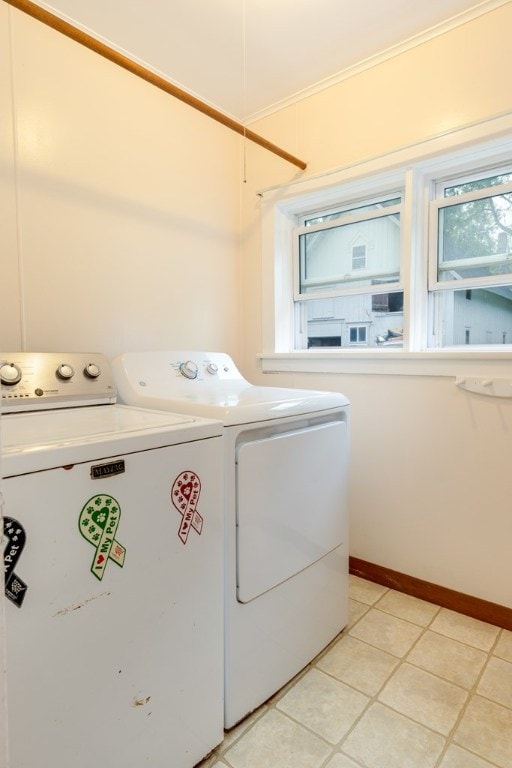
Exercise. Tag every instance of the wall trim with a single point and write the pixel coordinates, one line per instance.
(379, 58)
(492, 613)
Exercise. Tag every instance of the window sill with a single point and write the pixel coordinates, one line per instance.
(447, 362)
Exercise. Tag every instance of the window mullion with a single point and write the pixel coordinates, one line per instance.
(414, 266)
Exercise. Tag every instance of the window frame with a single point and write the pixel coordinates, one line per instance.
(438, 204)
(415, 169)
(346, 288)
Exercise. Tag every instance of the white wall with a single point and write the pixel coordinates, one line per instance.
(431, 486)
(127, 206)
(9, 306)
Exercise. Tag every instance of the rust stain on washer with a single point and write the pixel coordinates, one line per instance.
(77, 607)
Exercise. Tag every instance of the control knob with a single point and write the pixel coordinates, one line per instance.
(9, 373)
(189, 369)
(65, 371)
(212, 368)
(92, 371)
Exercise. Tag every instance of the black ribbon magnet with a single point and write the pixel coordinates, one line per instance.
(15, 588)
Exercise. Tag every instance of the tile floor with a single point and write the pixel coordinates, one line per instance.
(406, 685)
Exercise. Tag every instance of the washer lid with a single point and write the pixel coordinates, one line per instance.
(40, 440)
(239, 404)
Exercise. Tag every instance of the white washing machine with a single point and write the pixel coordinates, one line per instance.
(286, 511)
(113, 572)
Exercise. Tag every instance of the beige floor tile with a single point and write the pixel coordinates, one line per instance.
(275, 741)
(407, 607)
(486, 728)
(234, 733)
(456, 757)
(341, 761)
(355, 612)
(421, 662)
(324, 705)
(358, 664)
(460, 664)
(504, 645)
(424, 697)
(210, 762)
(386, 739)
(465, 629)
(496, 682)
(365, 591)
(287, 686)
(386, 632)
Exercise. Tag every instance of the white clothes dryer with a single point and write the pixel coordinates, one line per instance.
(286, 461)
(113, 572)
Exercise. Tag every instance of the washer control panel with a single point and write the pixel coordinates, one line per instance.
(192, 375)
(38, 380)
(203, 366)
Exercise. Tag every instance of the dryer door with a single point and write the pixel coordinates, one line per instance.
(291, 503)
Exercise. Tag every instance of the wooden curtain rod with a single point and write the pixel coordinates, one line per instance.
(123, 61)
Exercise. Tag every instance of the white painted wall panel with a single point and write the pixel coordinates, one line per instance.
(127, 205)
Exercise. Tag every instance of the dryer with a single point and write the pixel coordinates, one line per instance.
(286, 525)
(113, 571)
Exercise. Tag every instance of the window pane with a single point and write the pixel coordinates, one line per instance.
(332, 258)
(476, 317)
(365, 320)
(332, 215)
(474, 238)
(470, 186)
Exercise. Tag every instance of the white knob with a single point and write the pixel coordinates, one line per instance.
(92, 371)
(65, 371)
(9, 373)
(212, 368)
(189, 369)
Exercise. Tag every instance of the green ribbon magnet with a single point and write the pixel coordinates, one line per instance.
(98, 523)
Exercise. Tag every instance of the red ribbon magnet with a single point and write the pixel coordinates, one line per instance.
(185, 497)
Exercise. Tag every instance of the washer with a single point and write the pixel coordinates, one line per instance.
(286, 460)
(113, 572)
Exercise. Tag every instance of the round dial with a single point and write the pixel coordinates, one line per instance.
(9, 373)
(212, 368)
(65, 371)
(188, 369)
(92, 371)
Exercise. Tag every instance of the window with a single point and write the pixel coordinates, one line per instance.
(357, 334)
(471, 231)
(388, 302)
(344, 260)
(358, 257)
(349, 249)
(405, 259)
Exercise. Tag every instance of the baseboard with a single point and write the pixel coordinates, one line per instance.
(483, 610)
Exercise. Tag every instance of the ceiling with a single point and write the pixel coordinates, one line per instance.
(249, 57)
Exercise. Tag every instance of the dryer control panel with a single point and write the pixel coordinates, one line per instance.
(41, 380)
